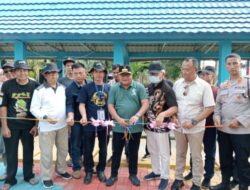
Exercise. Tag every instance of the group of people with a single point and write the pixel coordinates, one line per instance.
(72, 117)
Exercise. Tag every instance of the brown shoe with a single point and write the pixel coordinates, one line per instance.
(77, 174)
(33, 181)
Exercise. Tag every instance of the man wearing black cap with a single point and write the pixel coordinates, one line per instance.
(17, 94)
(128, 101)
(162, 105)
(68, 79)
(8, 69)
(48, 105)
(93, 99)
(7, 74)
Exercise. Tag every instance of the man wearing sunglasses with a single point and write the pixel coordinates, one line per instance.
(8, 69)
(195, 103)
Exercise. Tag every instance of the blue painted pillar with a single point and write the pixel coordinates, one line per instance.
(120, 55)
(19, 50)
(225, 48)
(199, 61)
(59, 62)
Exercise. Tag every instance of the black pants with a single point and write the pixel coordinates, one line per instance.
(133, 147)
(89, 137)
(11, 145)
(240, 145)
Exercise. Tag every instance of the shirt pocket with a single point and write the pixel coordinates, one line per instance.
(223, 95)
(240, 96)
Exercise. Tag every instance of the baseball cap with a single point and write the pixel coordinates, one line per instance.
(208, 69)
(155, 67)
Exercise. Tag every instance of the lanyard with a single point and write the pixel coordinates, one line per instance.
(99, 93)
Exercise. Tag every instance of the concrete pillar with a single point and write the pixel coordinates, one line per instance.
(19, 50)
(120, 55)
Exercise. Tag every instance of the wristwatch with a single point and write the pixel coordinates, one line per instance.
(194, 122)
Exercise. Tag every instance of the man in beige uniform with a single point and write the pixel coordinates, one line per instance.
(195, 103)
(232, 111)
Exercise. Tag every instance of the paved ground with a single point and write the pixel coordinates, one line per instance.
(123, 182)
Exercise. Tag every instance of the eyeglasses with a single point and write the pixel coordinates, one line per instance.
(8, 71)
(186, 88)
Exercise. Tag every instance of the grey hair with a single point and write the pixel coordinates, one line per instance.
(193, 60)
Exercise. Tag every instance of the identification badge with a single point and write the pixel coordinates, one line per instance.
(224, 92)
(101, 114)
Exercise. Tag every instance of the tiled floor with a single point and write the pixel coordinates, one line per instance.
(123, 182)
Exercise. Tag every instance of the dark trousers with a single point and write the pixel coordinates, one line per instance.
(77, 145)
(11, 145)
(209, 141)
(133, 147)
(89, 138)
(240, 145)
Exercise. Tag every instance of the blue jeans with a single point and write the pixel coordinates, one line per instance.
(209, 141)
(77, 143)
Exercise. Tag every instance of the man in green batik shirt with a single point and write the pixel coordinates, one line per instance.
(127, 102)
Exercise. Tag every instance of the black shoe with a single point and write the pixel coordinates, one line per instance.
(111, 181)
(152, 176)
(109, 160)
(65, 175)
(134, 180)
(48, 184)
(146, 156)
(88, 178)
(177, 185)
(243, 187)
(234, 183)
(221, 186)
(163, 184)
(195, 187)
(205, 183)
(188, 176)
(101, 176)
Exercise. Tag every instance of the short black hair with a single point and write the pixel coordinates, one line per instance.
(114, 67)
(235, 55)
(78, 65)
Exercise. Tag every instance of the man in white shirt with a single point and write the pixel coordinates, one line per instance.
(195, 103)
(49, 106)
